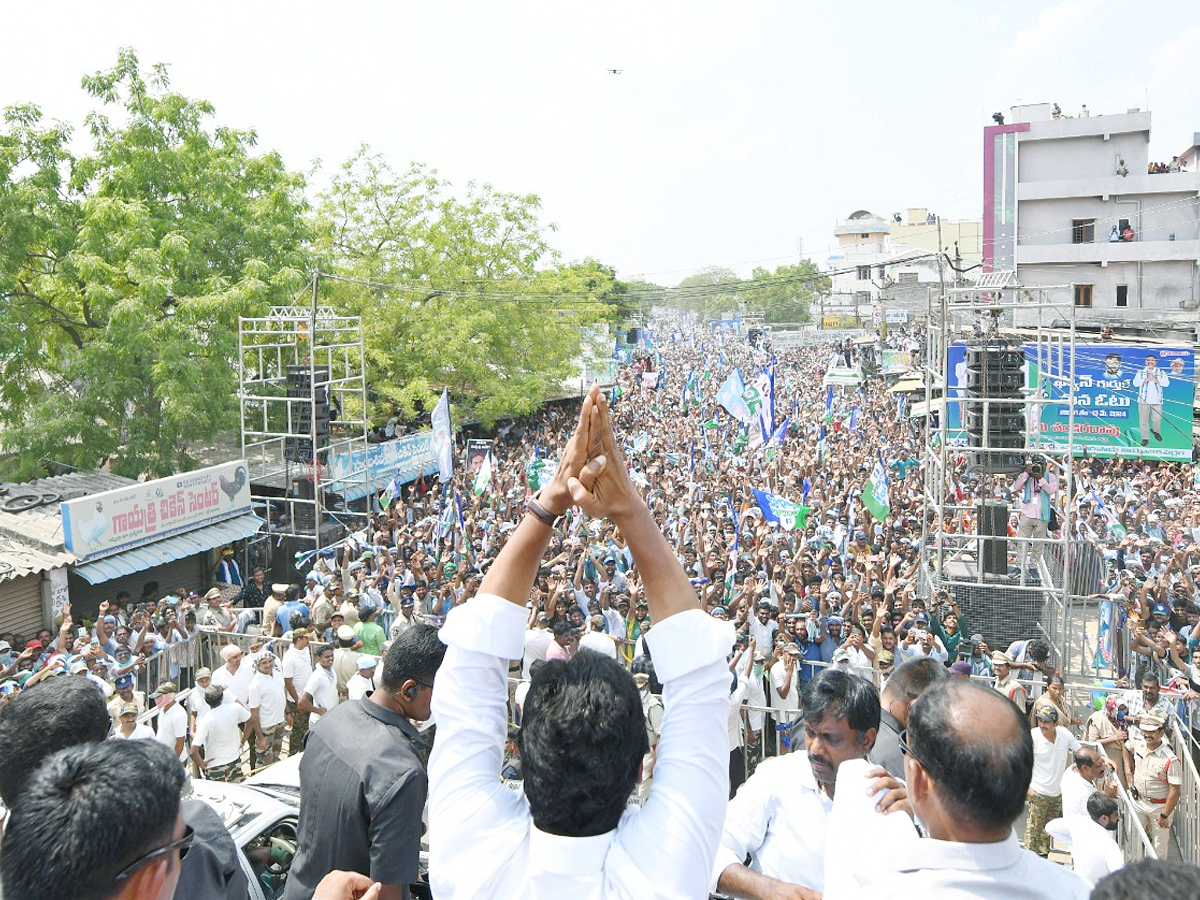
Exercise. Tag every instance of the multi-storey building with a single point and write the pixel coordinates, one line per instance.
(1079, 202)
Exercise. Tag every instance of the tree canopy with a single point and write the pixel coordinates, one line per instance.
(783, 295)
(463, 292)
(123, 272)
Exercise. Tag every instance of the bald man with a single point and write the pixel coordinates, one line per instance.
(968, 762)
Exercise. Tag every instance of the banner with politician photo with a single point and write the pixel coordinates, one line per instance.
(1131, 400)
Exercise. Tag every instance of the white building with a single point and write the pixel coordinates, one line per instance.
(1069, 201)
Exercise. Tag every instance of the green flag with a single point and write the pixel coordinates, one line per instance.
(875, 494)
(484, 476)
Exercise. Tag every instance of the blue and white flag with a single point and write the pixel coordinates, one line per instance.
(443, 437)
(781, 511)
(731, 395)
(855, 413)
(807, 486)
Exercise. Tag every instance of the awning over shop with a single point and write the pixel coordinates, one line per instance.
(919, 409)
(178, 547)
(844, 375)
(905, 385)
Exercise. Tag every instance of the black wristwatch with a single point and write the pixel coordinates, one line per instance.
(540, 513)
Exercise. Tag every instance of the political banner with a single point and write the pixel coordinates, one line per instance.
(477, 451)
(1131, 401)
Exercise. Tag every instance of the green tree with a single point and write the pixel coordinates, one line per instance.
(450, 288)
(123, 272)
(710, 293)
(784, 295)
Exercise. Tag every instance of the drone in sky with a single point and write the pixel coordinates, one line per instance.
(614, 71)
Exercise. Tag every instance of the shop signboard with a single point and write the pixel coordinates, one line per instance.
(111, 522)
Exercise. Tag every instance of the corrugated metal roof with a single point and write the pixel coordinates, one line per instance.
(178, 547)
(31, 541)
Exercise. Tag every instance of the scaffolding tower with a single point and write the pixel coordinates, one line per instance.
(990, 383)
(303, 396)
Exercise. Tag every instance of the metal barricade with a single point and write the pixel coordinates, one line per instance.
(1131, 836)
(1186, 824)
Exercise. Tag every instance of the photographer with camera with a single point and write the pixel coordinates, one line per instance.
(1035, 488)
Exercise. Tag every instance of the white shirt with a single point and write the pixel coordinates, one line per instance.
(764, 635)
(269, 697)
(297, 665)
(737, 736)
(172, 725)
(778, 817)
(141, 732)
(756, 696)
(236, 684)
(482, 841)
(1094, 850)
(778, 677)
(198, 705)
(1075, 793)
(357, 686)
(537, 641)
(600, 643)
(1050, 760)
(220, 734)
(1151, 383)
(928, 869)
(322, 687)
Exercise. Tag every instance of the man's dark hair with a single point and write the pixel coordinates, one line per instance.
(841, 695)
(53, 715)
(1084, 756)
(583, 735)
(912, 677)
(1039, 650)
(560, 628)
(980, 779)
(214, 695)
(1099, 805)
(416, 653)
(1148, 676)
(1150, 879)
(109, 802)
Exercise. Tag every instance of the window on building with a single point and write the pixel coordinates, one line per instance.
(862, 297)
(880, 273)
(1083, 231)
(1122, 295)
(1083, 295)
(864, 273)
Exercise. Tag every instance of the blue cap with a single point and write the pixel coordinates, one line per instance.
(125, 681)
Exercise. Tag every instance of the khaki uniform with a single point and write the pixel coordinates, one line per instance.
(1154, 771)
(1011, 688)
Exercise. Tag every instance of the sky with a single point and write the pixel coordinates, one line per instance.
(736, 134)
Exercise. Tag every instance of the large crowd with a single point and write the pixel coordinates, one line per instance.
(836, 596)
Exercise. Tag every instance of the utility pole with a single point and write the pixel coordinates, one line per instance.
(941, 272)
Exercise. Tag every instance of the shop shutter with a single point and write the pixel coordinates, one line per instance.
(21, 605)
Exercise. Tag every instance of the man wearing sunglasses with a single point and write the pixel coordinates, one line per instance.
(968, 763)
(116, 805)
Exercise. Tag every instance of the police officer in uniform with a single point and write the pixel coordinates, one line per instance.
(1155, 774)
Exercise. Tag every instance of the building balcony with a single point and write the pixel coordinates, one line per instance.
(1104, 252)
(1131, 186)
